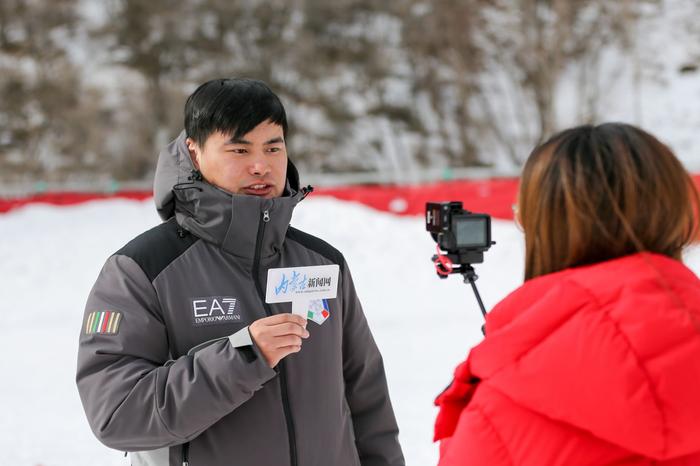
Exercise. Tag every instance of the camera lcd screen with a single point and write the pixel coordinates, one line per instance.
(470, 232)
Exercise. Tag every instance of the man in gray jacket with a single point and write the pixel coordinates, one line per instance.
(187, 355)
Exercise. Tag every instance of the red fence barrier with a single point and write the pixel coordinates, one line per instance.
(492, 196)
(67, 198)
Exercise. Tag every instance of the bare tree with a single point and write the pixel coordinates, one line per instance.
(439, 37)
(368, 85)
(535, 42)
(40, 90)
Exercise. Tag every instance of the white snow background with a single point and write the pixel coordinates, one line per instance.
(50, 257)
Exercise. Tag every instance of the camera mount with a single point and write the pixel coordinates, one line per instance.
(464, 235)
(445, 265)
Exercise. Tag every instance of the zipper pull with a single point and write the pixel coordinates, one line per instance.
(306, 191)
(186, 454)
(266, 216)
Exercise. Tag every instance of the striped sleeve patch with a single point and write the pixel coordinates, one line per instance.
(106, 322)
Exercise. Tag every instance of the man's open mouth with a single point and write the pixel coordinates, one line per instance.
(260, 189)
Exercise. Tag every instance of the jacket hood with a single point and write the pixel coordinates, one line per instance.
(215, 215)
(612, 349)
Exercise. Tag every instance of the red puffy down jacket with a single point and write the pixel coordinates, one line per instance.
(597, 365)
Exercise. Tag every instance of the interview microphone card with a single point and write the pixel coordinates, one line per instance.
(308, 289)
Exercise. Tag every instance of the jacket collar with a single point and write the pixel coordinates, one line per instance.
(230, 221)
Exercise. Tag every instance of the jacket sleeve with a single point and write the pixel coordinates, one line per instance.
(466, 434)
(453, 400)
(134, 397)
(376, 432)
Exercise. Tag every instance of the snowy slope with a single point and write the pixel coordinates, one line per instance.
(50, 257)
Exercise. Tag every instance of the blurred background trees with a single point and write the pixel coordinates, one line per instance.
(91, 90)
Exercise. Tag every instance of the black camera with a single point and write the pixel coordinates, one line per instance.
(464, 235)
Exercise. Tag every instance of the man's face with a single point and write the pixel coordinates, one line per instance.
(255, 164)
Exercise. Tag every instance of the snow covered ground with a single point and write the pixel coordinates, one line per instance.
(50, 257)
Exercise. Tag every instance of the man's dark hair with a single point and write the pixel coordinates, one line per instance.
(231, 106)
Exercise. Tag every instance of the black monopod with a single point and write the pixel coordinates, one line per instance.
(464, 236)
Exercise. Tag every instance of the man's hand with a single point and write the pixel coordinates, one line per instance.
(278, 336)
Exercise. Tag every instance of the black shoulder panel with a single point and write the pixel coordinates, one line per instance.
(156, 248)
(317, 245)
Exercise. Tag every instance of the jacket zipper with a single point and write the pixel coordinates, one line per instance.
(264, 219)
(185, 454)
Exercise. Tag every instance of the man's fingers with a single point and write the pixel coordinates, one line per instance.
(289, 349)
(286, 350)
(284, 318)
(275, 319)
(278, 336)
(287, 340)
(289, 329)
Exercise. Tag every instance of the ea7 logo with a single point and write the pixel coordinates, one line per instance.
(214, 310)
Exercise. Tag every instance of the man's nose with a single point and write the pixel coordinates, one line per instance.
(260, 167)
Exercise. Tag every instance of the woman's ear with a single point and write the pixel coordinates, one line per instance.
(516, 216)
(194, 151)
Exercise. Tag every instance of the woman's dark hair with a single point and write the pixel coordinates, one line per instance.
(233, 107)
(594, 193)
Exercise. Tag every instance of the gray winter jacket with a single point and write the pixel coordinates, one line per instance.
(158, 375)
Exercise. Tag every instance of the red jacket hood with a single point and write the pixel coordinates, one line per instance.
(612, 348)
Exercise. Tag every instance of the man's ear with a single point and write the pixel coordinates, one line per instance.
(194, 151)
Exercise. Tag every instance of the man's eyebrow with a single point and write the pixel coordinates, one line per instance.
(235, 140)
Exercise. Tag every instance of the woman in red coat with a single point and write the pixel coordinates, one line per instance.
(595, 360)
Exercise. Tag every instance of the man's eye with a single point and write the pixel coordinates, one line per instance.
(238, 151)
(274, 149)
